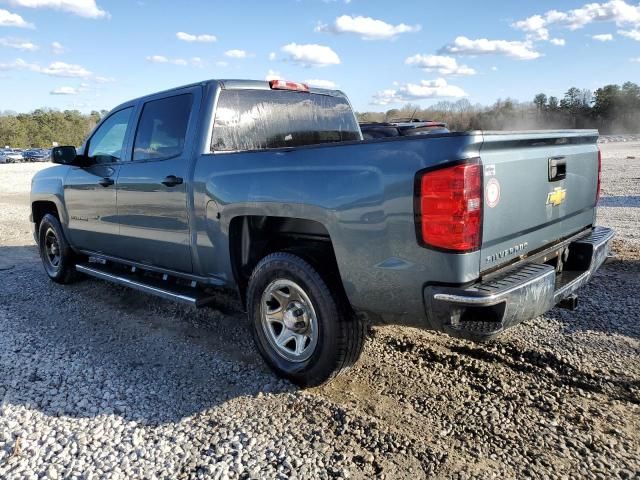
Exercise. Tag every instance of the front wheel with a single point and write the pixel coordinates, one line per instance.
(302, 328)
(57, 257)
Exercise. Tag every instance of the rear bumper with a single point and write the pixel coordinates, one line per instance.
(517, 294)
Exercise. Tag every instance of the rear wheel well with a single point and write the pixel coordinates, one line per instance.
(40, 208)
(253, 237)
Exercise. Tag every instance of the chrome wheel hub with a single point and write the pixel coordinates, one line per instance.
(289, 320)
(296, 317)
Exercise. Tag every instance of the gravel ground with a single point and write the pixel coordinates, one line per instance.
(620, 202)
(97, 381)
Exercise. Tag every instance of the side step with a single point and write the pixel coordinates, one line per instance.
(150, 285)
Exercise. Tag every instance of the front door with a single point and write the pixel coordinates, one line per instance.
(90, 192)
(152, 188)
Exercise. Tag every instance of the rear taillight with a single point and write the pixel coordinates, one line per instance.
(285, 85)
(599, 175)
(450, 207)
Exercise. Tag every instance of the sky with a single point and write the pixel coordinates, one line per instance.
(94, 54)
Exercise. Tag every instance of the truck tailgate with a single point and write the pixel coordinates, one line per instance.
(539, 187)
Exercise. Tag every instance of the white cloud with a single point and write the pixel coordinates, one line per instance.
(18, 44)
(83, 8)
(222, 63)
(635, 60)
(632, 34)
(272, 56)
(538, 35)
(65, 91)
(272, 75)
(157, 59)
(203, 38)
(482, 46)
(20, 64)
(603, 37)
(193, 61)
(57, 48)
(531, 24)
(535, 26)
(426, 89)
(438, 63)
(494, 69)
(100, 79)
(311, 55)
(618, 11)
(321, 83)
(55, 69)
(235, 53)
(560, 42)
(62, 69)
(8, 19)
(368, 28)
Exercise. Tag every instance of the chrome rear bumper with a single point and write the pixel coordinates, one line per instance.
(517, 294)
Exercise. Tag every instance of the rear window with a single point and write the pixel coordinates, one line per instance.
(162, 128)
(259, 119)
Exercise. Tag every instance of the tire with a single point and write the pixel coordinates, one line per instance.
(328, 343)
(58, 260)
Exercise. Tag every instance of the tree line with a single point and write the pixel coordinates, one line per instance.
(610, 109)
(42, 127)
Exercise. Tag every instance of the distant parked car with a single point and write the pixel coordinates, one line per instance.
(12, 156)
(36, 155)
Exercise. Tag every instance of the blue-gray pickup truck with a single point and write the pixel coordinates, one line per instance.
(268, 189)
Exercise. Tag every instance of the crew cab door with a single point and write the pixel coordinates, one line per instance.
(152, 188)
(90, 192)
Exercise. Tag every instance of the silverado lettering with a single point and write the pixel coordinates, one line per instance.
(507, 253)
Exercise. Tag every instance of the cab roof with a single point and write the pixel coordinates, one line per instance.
(230, 84)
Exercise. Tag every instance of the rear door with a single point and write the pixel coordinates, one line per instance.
(539, 188)
(152, 188)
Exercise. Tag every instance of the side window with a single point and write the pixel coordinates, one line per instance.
(162, 128)
(107, 143)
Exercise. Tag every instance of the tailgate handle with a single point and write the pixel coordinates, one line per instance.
(557, 168)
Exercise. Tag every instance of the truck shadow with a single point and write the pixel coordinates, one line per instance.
(603, 306)
(92, 348)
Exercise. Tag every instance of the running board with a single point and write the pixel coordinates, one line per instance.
(159, 288)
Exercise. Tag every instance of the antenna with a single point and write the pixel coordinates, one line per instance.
(413, 114)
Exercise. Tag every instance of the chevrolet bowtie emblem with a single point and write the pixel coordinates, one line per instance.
(556, 197)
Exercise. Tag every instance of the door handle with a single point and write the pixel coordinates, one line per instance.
(557, 168)
(172, 181)
(106, 182)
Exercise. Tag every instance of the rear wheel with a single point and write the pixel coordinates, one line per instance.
(57, 257)
(303, 329)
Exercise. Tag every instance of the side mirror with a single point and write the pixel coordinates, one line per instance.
(64, 155)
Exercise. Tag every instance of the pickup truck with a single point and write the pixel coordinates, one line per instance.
(268, 189)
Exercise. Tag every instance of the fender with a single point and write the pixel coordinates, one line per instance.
(48, 186)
